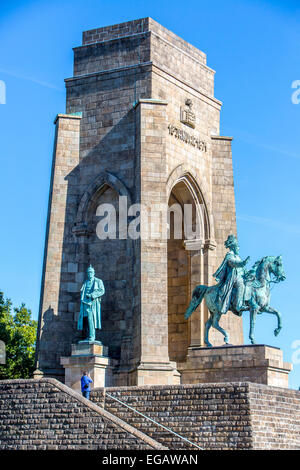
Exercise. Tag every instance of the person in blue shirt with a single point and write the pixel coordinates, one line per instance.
(85, 385)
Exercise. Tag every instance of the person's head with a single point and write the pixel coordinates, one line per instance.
(232, 243)
(85, 372)
(90, 272)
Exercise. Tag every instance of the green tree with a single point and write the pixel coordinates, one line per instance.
(18, 331)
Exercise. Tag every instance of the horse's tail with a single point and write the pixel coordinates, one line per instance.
(197, 297)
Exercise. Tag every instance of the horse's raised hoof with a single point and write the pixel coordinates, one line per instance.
(277, 331)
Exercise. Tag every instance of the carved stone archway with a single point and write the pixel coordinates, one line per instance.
(114, 315)
(183, 186)
(104, 178)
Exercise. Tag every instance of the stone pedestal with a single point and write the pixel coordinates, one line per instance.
(252, 363)
(153, 373)
(90, 357)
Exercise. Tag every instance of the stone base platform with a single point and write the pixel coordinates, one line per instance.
(90, 357)
(256, 363)
(152, 373)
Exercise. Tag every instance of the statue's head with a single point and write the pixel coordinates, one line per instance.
(90, 272)
(277, 269)
(231, 242)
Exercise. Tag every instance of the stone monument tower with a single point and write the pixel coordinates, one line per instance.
(142, 126)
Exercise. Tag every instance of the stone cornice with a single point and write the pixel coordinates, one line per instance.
(144, 64)
(103, 72)
(150, 101)
(221, 137)
(66, 116)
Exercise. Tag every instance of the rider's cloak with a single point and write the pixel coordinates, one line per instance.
(226, 276)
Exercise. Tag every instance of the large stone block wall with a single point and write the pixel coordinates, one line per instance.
(275, 417)
(141, 26)
(212, 171)
(114, 126)
(256, 363)
(115, 31)
(215, 416)
(178, 299)
(46, 415)
(153, 336)
(183, 66)
(109, 55)
(56, 319)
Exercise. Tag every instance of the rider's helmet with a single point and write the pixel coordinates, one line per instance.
(231, 240)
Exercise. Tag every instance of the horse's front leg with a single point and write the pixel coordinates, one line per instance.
(207, 328)
(271, 310)
(216, 325)
(253, 313)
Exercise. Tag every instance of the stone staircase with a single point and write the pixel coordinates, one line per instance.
(47, 415)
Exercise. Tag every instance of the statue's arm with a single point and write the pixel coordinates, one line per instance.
(82, 292)
(99, 291)
(237, 264)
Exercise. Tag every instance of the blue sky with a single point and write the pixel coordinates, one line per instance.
(254, 48)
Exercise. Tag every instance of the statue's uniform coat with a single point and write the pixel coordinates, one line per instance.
(96, 292)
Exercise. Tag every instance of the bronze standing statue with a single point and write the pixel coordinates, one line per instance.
(90, 309)
(239, 290)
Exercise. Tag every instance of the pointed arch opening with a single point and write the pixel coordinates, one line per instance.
(98, 242)
(184, 258)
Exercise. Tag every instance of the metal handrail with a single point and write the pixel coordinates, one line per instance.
(153, 421)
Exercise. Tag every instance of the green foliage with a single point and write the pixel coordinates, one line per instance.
(18, 331)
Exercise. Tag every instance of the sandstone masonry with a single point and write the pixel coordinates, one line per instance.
(131, 82)
(46, 415)
(237, 415)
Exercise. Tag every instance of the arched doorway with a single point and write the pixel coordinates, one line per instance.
(110, 255)
(186, 266)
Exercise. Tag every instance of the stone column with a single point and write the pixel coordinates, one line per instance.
(200, 274)
(194, 248)
(65, 159)
(223, 206)
(154, 366)
(209, 248)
